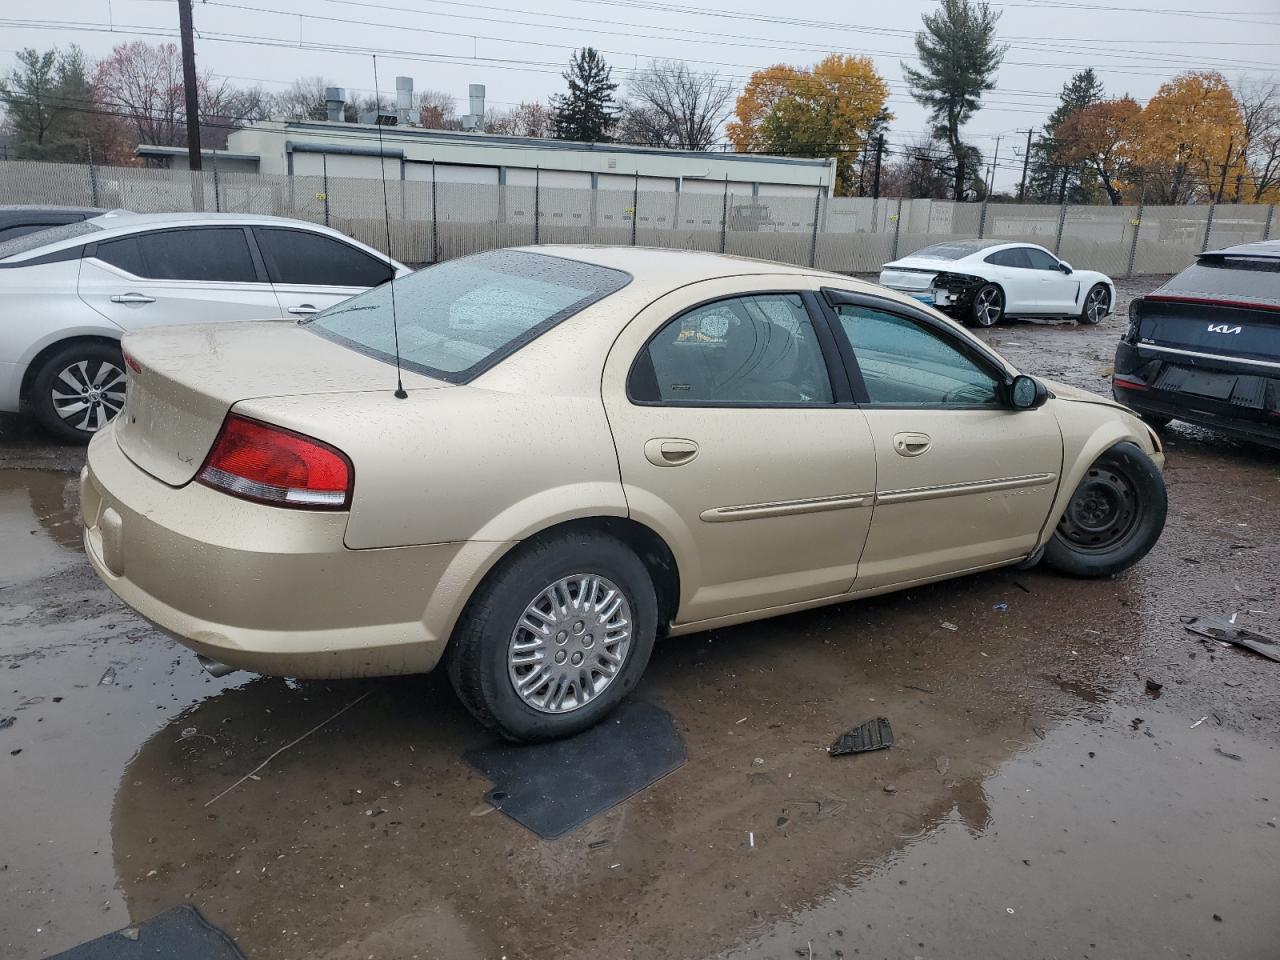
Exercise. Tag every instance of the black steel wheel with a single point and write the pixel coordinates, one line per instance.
(1114, 517)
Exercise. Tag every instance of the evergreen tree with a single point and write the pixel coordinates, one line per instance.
(29, 100)
(1048, 166)
(959, 58)
(587, 112)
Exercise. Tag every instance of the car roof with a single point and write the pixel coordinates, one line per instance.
(1260, 248)
(128, 220)
(672, 268)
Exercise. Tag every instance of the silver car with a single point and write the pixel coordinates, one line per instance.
(68, 294)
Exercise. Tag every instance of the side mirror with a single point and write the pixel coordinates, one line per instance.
(1064, 266)
(1027, 393)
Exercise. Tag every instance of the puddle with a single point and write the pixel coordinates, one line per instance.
(39, 523)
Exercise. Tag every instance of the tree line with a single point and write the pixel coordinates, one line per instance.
(1199, 139)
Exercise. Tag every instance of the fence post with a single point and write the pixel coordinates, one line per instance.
(537, 204)
(982, 220)
(635, 206)
(1136, 222)
(324, 185)
(813, 241)
(1208, 228)
(217, 195)
(93, 180)
(1062, 222)
(1266, 227)
(897, 230)
(724, 215)
(435, 235)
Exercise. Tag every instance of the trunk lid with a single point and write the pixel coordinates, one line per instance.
(182, 380)
(910, 273)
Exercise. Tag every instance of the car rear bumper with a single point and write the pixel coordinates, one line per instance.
(263, 588)
(1248, 408)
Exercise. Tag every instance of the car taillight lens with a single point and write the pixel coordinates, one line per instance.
(1126, 382)
(258, 461)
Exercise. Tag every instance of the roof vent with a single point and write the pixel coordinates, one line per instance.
(404, 100)
(335, 102)
(475, 119)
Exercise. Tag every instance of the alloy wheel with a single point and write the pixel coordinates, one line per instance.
(570, 643)
(1095, 307)
(88, 394)
(988, 307)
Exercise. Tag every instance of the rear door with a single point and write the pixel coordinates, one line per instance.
(738, 441)
(311, 271)
(185, 275)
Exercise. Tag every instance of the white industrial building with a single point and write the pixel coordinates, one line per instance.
(335, 148)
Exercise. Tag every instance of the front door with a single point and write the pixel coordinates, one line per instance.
(964, 481)
(738, 443)
(187, 275)
(1061, 290)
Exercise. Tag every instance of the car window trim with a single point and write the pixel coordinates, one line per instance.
(984, 359)
(270, 265)
(91, 250)
(837, 375)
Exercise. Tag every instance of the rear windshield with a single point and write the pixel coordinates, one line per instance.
(32, 241)
(458, 318)
(955, 249)
(1229, 278)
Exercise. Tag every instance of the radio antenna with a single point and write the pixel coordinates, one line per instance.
(400, 393)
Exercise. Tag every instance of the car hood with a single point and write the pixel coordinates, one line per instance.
(1064, 392)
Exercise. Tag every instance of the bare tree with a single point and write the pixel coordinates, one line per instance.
(144, 84)
(526, 120)
(437, 110)
(1260, 112)
(304, 100)
(669, 105)
(920, 169)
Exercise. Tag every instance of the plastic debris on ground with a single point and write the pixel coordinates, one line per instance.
(873, 735)
(1215, 628)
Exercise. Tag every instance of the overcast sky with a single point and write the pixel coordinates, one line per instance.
(518, 53)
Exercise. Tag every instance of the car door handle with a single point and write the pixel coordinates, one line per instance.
(132, 298)
(304, 309)
(911, 444)
(670, 451)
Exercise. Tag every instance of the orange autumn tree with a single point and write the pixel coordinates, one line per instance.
(1189, 140)
(830, 110)
(1098, 136)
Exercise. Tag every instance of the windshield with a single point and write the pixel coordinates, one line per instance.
(42, 238)
(461, 317)
(955, 249)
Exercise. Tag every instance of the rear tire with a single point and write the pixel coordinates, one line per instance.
(1097, 304)
(79, 389)
(564, 585)
(1114, 517)
(988, 306)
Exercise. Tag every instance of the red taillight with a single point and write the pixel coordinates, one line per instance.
(132, 364)
(273, 465)
(1128, 383)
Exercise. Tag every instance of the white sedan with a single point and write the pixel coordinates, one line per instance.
(983, 281)
(70, 293)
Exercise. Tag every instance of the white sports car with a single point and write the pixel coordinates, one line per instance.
(983, 281)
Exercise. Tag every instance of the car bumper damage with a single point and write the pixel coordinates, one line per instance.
(224, 566)
(946, 291)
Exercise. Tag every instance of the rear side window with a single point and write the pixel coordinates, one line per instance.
(205, 255)
(459, 318)
(312, 259)
(753, 350)
(1246, 279)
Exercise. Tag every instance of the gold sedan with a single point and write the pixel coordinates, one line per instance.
(593, 447)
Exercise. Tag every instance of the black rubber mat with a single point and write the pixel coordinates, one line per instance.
(552, 788)
(180, 933)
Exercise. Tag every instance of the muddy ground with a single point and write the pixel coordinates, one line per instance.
(1039, 802)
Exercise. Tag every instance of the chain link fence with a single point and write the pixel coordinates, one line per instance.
(430, 222)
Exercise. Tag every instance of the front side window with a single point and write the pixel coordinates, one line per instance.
(460, 317)
(903, 363)
(312, 259)
(1040, 260)
(202, 255)
(758, 349)
(1013, 257)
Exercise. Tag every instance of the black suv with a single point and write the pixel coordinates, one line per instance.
(1205, 347)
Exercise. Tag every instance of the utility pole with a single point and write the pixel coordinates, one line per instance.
(1026, 161)
(1062, 190)
(1225, 163)
(189, 83)
(995, 158)
(875, 188)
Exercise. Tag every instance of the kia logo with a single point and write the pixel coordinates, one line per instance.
(1223, 328)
